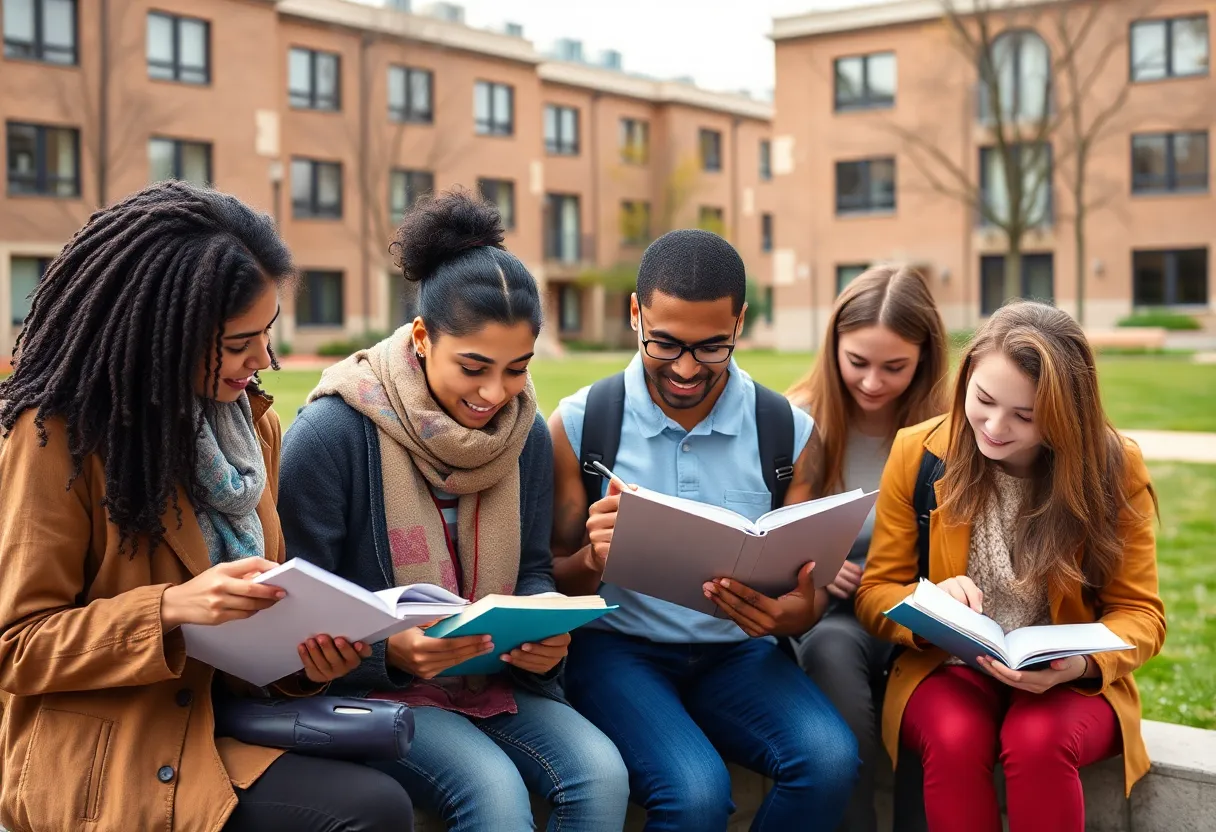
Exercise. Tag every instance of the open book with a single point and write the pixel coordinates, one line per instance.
(931, 613)
(263, 647)
(514, 620)
(667, 546)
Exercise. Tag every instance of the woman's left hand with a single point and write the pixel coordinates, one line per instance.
(326, 659)
(540, 657)
(1062, 672)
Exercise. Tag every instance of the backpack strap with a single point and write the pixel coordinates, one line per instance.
(601, 430)
(775, 437)
(924, 501)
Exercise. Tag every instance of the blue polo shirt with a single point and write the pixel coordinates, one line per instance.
(717, 462)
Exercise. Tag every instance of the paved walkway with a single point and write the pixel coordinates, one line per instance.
(1175, 446)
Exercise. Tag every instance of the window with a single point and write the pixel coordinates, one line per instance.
(562, 228)
(865, 82)
(570, 308)
(494, 109)
(405, 188)
(635, 223)
(502, 193)
(40, 30)
(1170, 278)
(178, 48)
(1172, 48)
(26, 272)
(410, 95)
(635, 141)
(711, 150)
(43, 161)
(766, 160)
(1033, 162)
(173, 159)
(561, 130)
(846, 274)
(1020, 75)
(1037, 280)
(766, 232)
(1169, 162)
(319, 299)
(712, 219)
(769, 309)
(316, 189)
(314, 80)
(865, 185)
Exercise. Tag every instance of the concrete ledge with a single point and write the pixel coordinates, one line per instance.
(1178, 795)
(1143, 337)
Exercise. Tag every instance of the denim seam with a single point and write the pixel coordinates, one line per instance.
(762, 812)
(558, 797)
(446, 797)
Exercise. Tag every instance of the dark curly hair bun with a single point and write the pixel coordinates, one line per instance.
(440, 228)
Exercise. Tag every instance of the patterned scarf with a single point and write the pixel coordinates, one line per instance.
(421, 447)
(232, 473)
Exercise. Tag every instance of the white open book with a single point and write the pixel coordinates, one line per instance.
(931, 613)
(262, 648)
(668, 546)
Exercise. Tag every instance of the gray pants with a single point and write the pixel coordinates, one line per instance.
(848, 665)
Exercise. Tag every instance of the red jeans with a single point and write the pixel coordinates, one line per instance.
(961, 721)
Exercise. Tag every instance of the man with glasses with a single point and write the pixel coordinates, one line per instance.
(678, 691)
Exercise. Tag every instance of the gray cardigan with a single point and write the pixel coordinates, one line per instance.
(331, 505)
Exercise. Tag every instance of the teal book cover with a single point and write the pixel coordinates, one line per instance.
(510, 628)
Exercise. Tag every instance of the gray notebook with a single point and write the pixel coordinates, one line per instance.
(667, 547)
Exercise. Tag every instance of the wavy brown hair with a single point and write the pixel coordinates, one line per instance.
(896, 297)
(1068, 528)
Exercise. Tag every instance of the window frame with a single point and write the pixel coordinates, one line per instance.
(38, 49)
(1015, 114)
(562, 290)
(178, 147)
(867, 180)
(43, 181)
(1170, 278)
(867, 101)
(314, 210)
(766, 160)
(1028, 259)
(1049, 211)
(560, 146)
(493, 126)
(1168, 24)
(843, 269)
(315, 100)
(315, 303)
(628, 206)
(717, 212)
(508, 222)
(766, 232)
(554, 234)
(43, 264)
(408, 175)
(407, 113)
(640, 128)
(1171, 185)
(709, 144)
(175, 66)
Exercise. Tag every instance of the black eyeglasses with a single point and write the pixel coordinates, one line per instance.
(673, 351)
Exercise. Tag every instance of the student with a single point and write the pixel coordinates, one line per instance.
(423, 459)
(139, 473)
(881, 368)
(679, 691)
(1046, 517)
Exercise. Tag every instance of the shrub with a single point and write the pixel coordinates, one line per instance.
(1172, 321)
(345, 347)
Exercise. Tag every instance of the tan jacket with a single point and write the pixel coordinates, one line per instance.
(1129, 605)
(105, 725)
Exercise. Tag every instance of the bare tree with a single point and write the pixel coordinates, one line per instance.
(1038, 105)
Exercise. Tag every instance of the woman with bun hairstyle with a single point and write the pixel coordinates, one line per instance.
(138, 477)
(1045, 516)
(882, 367)
(423, 460)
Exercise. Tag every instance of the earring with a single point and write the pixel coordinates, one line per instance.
(418, 353)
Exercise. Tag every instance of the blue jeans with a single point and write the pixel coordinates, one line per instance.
(676, 711)
(477, 773)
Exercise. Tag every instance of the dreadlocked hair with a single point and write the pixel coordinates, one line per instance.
(118, 331)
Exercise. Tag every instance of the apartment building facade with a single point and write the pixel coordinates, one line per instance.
(335, 116)
(885, 149)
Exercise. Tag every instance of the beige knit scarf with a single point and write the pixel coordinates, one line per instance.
(422, 446)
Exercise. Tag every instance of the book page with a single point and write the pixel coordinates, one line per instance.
(1061, 640)
(710, 512)
(789, 514)
(397, 596)
(932, 600)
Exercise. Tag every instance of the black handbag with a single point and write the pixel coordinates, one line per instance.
(338, 727)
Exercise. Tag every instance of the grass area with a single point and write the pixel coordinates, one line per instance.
(1163, 392)
(1180, 684)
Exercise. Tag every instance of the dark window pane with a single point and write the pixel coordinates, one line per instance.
(847, 274)
(319, 299)
(161, 154)
(1148, 278)
(420, 95)
(1038, 279)
(22, 159)
(327, 82)
(850, 81)
(1192, 279)
(24, 277)
(882, 183)
(1149, 163)
(1191, 161)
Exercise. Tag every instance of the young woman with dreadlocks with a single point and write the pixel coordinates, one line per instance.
(139, 468)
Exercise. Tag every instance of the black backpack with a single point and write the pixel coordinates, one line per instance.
(602, 436)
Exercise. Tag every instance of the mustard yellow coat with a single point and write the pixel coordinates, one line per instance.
(1129, 605)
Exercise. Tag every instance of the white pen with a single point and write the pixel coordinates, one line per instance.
(604, 472)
